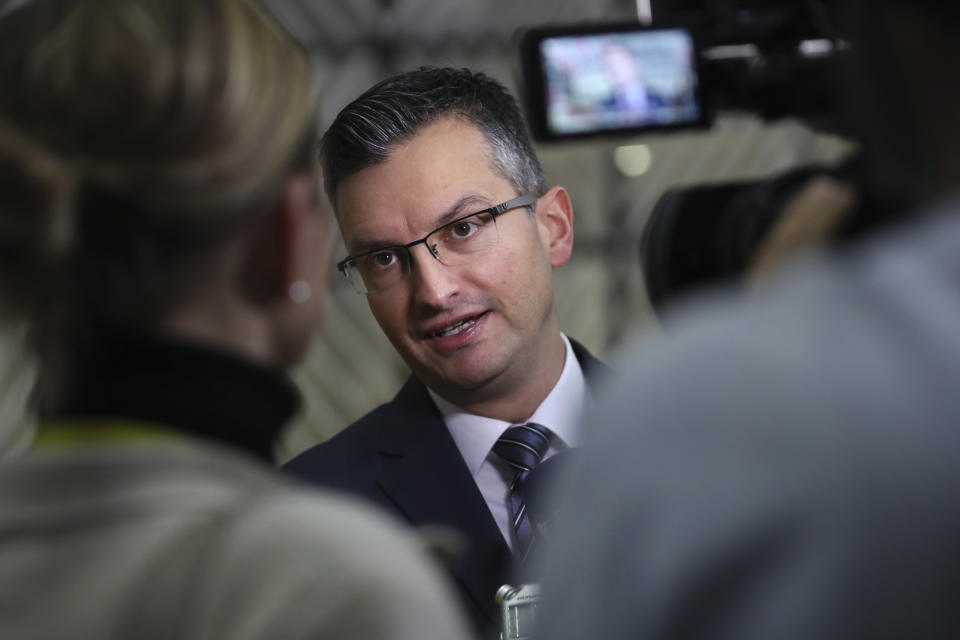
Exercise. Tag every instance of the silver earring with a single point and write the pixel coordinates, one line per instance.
(299, 291)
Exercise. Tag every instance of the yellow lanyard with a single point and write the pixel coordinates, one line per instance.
(67, 434)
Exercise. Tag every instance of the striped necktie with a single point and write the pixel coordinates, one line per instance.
(522, 447)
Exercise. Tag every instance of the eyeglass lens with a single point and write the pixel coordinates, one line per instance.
(451, 244)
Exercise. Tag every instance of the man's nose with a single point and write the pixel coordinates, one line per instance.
(433, 282)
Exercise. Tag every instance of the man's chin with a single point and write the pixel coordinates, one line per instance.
(471, 383)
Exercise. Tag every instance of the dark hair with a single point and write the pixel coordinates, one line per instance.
(398, 108)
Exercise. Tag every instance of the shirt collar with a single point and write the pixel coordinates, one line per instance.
(191, 387)
(560, 412)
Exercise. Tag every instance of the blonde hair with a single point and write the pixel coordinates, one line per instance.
(136, 135)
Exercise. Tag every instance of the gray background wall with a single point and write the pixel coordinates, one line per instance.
(600, 293)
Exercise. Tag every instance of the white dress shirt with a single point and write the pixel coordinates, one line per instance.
(475, 435)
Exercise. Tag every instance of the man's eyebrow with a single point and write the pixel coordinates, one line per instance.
(465, 206)
(365, 246)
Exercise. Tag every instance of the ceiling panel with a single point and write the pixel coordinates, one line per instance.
(334, 27)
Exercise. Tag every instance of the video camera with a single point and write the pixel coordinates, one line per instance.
(772, 58)
(775, 58)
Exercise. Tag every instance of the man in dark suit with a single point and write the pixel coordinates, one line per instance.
(453, 235)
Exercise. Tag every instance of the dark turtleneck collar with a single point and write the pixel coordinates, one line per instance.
(200, 390)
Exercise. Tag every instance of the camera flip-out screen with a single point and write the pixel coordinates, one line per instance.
(592, 80)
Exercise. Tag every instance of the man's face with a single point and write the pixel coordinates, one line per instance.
(477, 328)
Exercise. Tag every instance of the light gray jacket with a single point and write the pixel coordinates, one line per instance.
(189, 541)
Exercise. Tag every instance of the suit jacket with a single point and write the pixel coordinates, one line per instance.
(402, 457)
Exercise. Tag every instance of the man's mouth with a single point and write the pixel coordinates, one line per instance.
(454, 329)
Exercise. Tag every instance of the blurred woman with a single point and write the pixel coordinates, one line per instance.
(162, 233)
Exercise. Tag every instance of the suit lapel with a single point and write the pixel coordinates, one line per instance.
(424, 475)
(593, 370)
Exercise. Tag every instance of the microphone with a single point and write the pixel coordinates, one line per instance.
(518, 604)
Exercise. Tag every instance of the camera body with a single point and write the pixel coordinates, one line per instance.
(772, 58)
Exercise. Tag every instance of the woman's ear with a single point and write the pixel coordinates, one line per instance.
(276, 255)
(555, 219)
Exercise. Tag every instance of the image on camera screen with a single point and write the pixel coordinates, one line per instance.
(608, 81)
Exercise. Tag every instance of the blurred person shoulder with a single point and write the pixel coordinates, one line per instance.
(367, 576)
(807, 295)
(760, 437)
(207, 543)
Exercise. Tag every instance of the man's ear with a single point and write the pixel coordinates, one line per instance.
(555, 220)
(275, 255)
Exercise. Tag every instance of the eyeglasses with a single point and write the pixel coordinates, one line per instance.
(452, 244)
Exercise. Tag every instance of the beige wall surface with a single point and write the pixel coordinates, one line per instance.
(600, 293)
